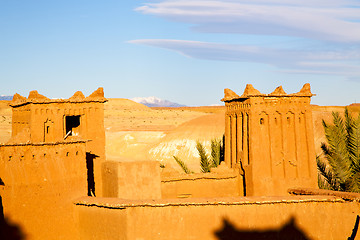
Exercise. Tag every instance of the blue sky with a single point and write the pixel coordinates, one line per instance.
(186, 51)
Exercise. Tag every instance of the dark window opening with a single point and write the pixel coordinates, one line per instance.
(90, 173)
(72, 125)
(48, 136)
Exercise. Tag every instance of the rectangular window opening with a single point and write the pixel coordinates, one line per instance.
(72, 125)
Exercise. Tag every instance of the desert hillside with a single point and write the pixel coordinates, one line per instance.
(136, 132)
(132, 129)
(5, 121)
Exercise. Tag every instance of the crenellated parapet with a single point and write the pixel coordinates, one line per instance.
(269, 138)
(250, 91)
(36, 98)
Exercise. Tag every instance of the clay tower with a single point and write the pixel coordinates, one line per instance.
(269, 140)
(38, 119)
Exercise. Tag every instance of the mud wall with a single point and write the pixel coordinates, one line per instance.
(143, 180)
(131, 180)
(200, 185)
(305, 217)
(41, 181)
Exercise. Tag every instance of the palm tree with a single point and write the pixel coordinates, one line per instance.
(206, 162)
(183, 165)
(217, 152)
(341, 171)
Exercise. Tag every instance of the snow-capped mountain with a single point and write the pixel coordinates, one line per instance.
(3, 97)
(155, 102)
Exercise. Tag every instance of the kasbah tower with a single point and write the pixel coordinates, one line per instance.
(269, 138)
(76, 118)
(53, 157)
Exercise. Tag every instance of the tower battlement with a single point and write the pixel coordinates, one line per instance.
(269, 139)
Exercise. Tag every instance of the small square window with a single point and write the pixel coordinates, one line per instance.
(72, 125)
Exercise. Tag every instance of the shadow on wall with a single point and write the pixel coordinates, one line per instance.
(354, 231)
(8, 231)
(90, 173)
(288, 231)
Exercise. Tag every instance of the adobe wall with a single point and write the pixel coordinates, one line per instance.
(52, 114)
(144, 180)
(269, 139)
(131, 180)
(304, 217)
(40, 119)
(200, 185)
(41, 181)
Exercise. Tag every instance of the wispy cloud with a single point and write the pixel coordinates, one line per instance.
(331, 61)
(333, 20)
(333, 26)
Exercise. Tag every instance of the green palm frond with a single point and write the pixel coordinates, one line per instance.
(325, 149)
(222, 148)
(183, 165)
(354, 142)
(215, 152)
(325, 175)
(323, 184)
(336, 151)
(354, 149)
(355, 182)
(342, 152)
(205, 164)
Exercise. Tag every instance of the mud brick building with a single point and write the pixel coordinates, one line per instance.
(53, 157)
(269, 139)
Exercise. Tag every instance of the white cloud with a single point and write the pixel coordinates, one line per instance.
(331, 61)
(332, 20)
(335, 24)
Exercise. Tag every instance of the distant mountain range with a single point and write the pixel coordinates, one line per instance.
(2, 97)
(156, 102)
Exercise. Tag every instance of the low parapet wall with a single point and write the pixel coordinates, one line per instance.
(131, 180)
(311, 191)
(200, 185)
(293, 217)
(143, 180)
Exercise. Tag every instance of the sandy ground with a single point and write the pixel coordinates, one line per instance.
(136, 132)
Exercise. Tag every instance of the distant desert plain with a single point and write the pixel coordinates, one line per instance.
(135, 132)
